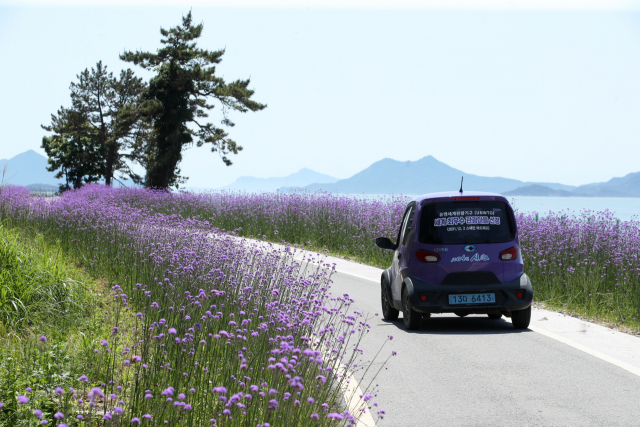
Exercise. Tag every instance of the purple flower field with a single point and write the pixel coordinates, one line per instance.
(587, 262)
(211, 329)
(215, 330)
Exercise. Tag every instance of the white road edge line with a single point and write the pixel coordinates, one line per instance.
(626, 366)
(352, 392)
(357, 275)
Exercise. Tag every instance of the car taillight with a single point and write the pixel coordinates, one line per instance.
(426, 256)
(509, 254)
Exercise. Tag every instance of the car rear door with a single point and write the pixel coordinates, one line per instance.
(400, 256)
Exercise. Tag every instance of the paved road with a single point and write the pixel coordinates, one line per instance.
(474, 371)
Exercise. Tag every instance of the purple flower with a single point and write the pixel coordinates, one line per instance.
(219, 390)
(58, 415)
(97, 392)
(118, 410)
(43, 339)
(83, 378)
(23, 399)
(172, 331)
(104, 343)
(38, 413)
(59, 390)
(135, 420)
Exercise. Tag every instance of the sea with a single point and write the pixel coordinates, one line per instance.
(624, 208)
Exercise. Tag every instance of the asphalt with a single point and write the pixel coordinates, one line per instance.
(475, 371)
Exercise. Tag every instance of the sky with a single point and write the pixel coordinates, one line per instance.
(536, 91)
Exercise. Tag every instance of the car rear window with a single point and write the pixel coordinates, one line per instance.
(465, 222)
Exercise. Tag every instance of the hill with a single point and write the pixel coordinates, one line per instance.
(299, 179)
(626, 186)
(427, 175)
(538, 190)
(28, 168)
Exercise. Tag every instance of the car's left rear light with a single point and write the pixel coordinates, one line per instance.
(426, 256)
(509, 254)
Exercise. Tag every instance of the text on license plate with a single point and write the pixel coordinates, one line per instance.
(472, 298)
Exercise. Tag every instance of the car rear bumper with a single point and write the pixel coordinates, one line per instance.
(437, 296)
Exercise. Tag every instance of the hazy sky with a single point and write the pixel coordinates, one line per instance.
(546, 93)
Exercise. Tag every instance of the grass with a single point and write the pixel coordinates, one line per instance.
(35, 285)
(44, 294)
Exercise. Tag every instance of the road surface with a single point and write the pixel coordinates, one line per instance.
(475, 371)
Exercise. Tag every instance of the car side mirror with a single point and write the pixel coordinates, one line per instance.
(385, 243)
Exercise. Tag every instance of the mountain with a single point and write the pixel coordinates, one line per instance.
(28, 168)
(538, 190)
(299, 179)
(626, 186)
(426, 175)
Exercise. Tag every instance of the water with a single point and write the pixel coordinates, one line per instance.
(623, 207)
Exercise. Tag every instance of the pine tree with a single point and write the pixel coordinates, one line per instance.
(73, 149)
(112, 107)
(177, 98)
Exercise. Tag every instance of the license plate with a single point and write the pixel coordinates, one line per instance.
(472, 298)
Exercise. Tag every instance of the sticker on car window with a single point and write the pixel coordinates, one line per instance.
(469, 220)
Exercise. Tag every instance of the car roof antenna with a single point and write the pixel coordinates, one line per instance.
(461, 184)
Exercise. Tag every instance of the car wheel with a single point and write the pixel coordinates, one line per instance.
(388, 311)
(495, 316)
(521, 318)
(411, 318)
(459, 314)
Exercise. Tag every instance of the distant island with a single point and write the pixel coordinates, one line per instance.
(428, 175)
(387, 176)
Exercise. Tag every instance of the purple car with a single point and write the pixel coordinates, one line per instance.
(456, 253)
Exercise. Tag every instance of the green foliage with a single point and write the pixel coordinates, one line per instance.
(43, 294)
(35, 288)
(73, 149)
(178, 96)
(101, 133)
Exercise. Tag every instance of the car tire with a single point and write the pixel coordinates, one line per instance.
(521, 318)
(411, 318)
(495, 316)
(459, 314)
(388, 311)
